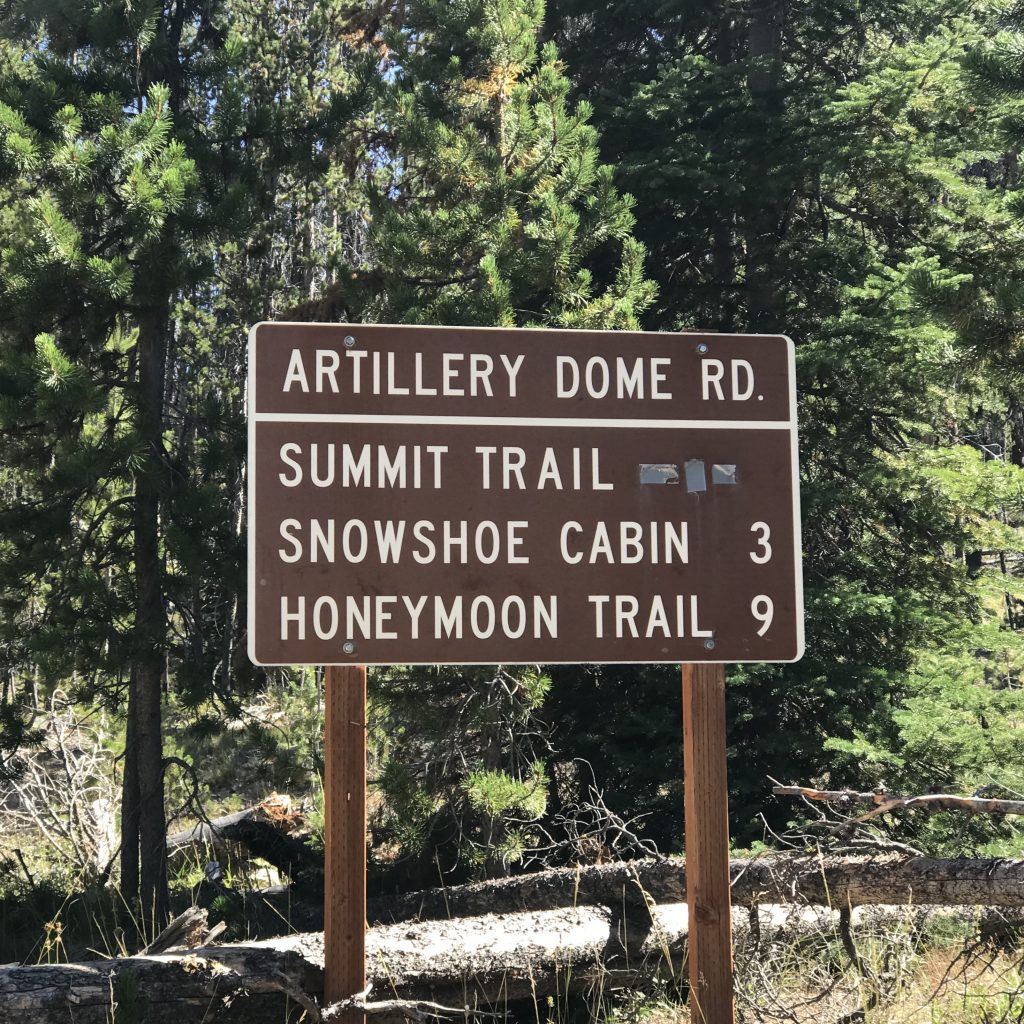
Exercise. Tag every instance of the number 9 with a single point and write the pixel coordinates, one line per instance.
(763, 609)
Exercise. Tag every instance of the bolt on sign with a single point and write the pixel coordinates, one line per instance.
(427, 495)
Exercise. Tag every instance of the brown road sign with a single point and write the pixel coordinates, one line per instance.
(464, 495)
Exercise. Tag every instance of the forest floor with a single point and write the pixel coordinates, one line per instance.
(47, 915)
(944, 987)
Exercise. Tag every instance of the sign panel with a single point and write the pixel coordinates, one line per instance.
(443, 495)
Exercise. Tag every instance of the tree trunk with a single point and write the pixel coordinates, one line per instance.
(130, 801)
(765, 205)
(144, 702)
(1015, 416)
(723, 232)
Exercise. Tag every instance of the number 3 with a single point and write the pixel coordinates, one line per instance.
(763, 609)
(762, 541)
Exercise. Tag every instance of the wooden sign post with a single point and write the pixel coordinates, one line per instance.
(706, 805)
(345, 834)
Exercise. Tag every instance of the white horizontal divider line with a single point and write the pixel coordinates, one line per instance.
(520, 421)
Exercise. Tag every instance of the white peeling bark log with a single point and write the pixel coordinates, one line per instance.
(229, 983)
(482, 962)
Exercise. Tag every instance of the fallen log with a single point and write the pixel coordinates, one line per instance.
(209, 833)
(478, 963)
(828, 881)
(215, 833)
(230, 983)
(590, 930)
(262, 831)
(851, 882)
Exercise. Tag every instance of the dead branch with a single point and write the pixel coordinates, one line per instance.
(420, 1010)
(65, 791)
(887, 803)
(189, 928)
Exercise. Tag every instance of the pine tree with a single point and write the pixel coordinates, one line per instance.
(956, 727)
(492, 206)
(93, 191)
(489, 207)
(150, 160)
(796, 170)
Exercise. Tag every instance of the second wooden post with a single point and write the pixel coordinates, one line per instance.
(706, 799)
(345, 834)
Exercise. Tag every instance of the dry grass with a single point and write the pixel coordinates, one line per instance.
(906, 978)
(986, 988)
(945, 987)
(941, 992)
